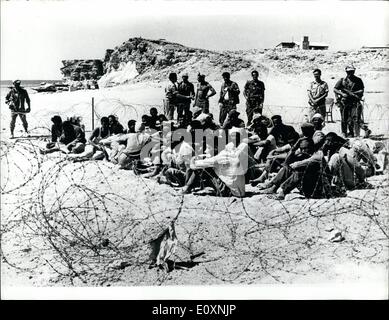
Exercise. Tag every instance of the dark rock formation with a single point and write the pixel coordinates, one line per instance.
(82, 69)
(107, 57)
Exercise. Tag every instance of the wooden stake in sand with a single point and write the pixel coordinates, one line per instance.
(93, 113)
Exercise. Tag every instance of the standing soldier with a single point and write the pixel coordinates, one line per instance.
(171, 92)
(229, 97)
(317, 93)
(254, 92)
(186, 89)
(349, 92)
(16, 99)
(203, 93)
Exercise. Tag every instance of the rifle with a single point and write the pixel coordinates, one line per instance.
(360, 102)
(13, 108)
(352, 94)
(311, 103)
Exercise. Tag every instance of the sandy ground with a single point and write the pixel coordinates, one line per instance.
(57, 215)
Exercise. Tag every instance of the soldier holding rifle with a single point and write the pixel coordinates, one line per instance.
(349, 93)
(16, 99)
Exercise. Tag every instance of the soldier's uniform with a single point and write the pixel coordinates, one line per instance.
(229, 99)
(254, 91)
(16, 100)
(185, 89)
(350, 107)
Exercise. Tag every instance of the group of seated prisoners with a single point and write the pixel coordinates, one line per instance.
(195, 153)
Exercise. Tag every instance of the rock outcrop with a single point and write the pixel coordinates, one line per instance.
(75, 70)
(141, 59)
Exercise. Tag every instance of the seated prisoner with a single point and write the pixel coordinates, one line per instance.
(318, 135)
(283, 137)
(233, 120)
(94, 150)
(130, 126)
(302, 169)
(126, 148)
(177, 157)
(56, 132)
(114, 126)
(72, 140)
(225, 172)
(350, 163)
(73, 137)
(77, 121)
(153, 120)
(258, 138)
(160, 143)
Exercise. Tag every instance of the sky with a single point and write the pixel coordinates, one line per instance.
(37, 35)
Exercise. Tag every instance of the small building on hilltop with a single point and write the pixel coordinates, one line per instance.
(287, 45)
(304, 45)
(318, 46)
(307, 45)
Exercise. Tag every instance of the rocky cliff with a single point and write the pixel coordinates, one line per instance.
(75, 70)
(142, 59)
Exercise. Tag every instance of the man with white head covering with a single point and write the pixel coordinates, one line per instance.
(225, 172)
(349, 92)
(318, 136)
(16, 99)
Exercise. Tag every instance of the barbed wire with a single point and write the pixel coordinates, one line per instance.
(91, 224)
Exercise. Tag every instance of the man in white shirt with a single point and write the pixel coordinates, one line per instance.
(179, 158)
(126, 148)
(225, 172)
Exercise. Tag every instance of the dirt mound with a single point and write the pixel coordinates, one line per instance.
(296, 61)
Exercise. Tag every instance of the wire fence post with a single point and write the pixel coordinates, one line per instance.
(93, 113)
